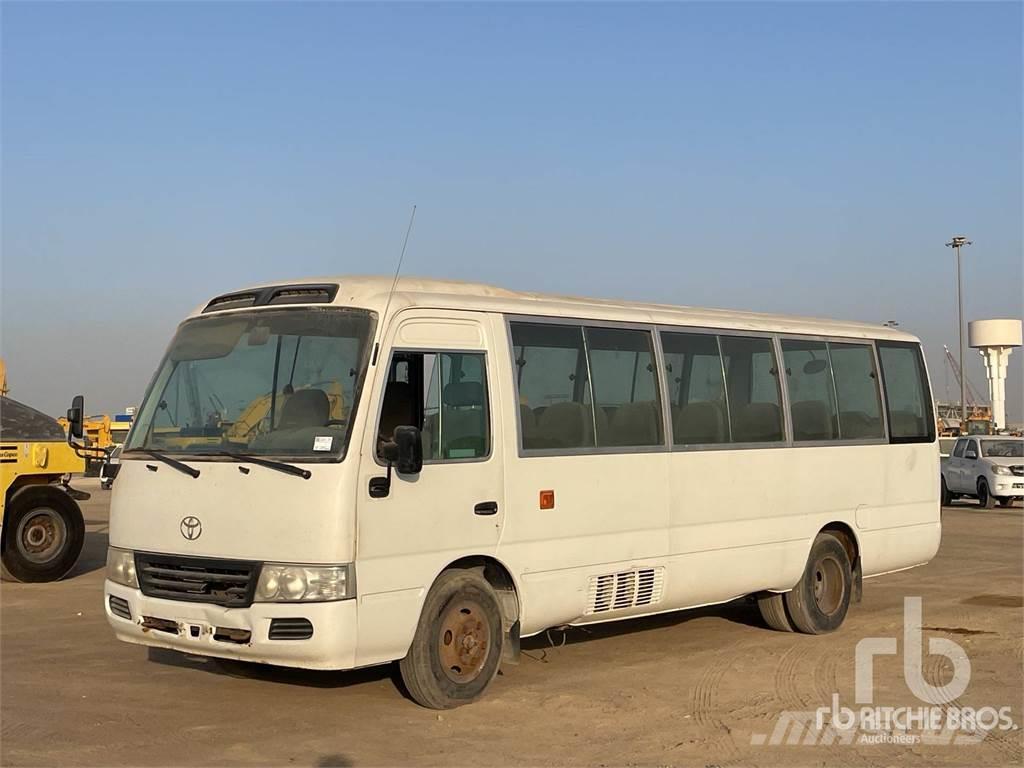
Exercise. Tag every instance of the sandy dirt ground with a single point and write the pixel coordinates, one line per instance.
(704, 687)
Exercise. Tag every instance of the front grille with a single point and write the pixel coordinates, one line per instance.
(1017, 469)
(119, 607)
(290, 629)
(230, 583)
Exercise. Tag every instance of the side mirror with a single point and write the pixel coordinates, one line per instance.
(971, 454)
(75, 416)
(409, 459)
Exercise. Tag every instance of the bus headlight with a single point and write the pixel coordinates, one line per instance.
(284, 583)
(121, 567)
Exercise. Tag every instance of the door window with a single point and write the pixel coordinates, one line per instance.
(445, 396)
(958, 449)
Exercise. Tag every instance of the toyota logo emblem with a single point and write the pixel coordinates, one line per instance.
(191, 528)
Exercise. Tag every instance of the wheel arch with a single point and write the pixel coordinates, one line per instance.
(498, 575)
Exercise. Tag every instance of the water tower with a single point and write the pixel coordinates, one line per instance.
(994, 340)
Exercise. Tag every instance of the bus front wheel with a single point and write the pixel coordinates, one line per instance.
(818, 604)
(457, 647)
(43, 534)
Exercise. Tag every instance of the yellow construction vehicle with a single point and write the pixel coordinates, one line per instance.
(41, 524)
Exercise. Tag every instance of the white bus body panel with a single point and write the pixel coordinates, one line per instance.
(704, 526)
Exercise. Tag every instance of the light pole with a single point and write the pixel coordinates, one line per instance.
(956, 243)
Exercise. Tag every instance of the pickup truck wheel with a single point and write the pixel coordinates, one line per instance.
(43, 534)
(947, 497)
(986, 499)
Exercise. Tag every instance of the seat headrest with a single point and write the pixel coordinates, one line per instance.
(306, 408)
(464, 394)
(757, 422)
(699, 422)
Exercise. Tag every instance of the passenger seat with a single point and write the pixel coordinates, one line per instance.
(636, 424)
(812, 421)
(699, 423)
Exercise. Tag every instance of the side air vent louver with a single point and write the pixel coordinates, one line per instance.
(275, 294)
(627, 589)
(290, 629)
(119, 607)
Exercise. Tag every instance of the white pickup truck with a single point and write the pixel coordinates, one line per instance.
(988, 468)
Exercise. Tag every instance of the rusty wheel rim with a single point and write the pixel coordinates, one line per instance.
(41, 535)
(828, 585)
(463, 641)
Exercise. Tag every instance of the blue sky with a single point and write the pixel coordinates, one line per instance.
(808, 158)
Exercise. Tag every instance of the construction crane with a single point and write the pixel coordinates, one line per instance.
(973, 398)
(979, 415)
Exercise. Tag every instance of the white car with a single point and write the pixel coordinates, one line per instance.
(989, 468)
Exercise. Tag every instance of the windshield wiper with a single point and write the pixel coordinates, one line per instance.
(180, 466)
(280, 466)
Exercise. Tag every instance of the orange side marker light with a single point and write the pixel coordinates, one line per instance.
(547, 499)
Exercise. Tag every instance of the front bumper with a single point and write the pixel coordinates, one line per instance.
(1007, 485)
(212, 630)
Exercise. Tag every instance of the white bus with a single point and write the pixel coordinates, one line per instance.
(327, 475)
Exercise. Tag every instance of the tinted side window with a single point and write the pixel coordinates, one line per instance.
(462, 425)
(906, 393)
(958, 449)
(627, 409)
(552, 385)
(860, 403)
(752, 389)
(812, 399)
(696, 386)
(445, 395)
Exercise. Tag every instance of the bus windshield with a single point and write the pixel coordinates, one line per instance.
(265, 383)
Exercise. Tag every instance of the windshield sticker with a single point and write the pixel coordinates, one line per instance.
(322, 442)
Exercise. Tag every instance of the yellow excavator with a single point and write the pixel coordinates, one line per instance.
(41, 525)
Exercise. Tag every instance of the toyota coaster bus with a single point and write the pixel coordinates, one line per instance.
(332, 474)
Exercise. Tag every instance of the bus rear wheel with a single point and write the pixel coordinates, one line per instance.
(43, 534)
(818, 604)
(457, 647)
(773, 610)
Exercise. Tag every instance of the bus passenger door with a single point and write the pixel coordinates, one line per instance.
(437, 376)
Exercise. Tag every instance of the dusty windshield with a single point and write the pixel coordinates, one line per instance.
(1007, 449)
(265, 383)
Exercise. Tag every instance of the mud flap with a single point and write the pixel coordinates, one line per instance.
(510, 648)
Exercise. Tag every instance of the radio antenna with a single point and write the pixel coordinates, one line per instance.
(394, 282)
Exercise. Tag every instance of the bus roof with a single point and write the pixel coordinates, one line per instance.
(371, 292)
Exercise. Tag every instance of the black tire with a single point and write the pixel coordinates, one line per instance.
(947, 497)
(985, 498)
(819, 602)
(773, 610)
(457, 648)
(1006, 501)
(43, 534)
